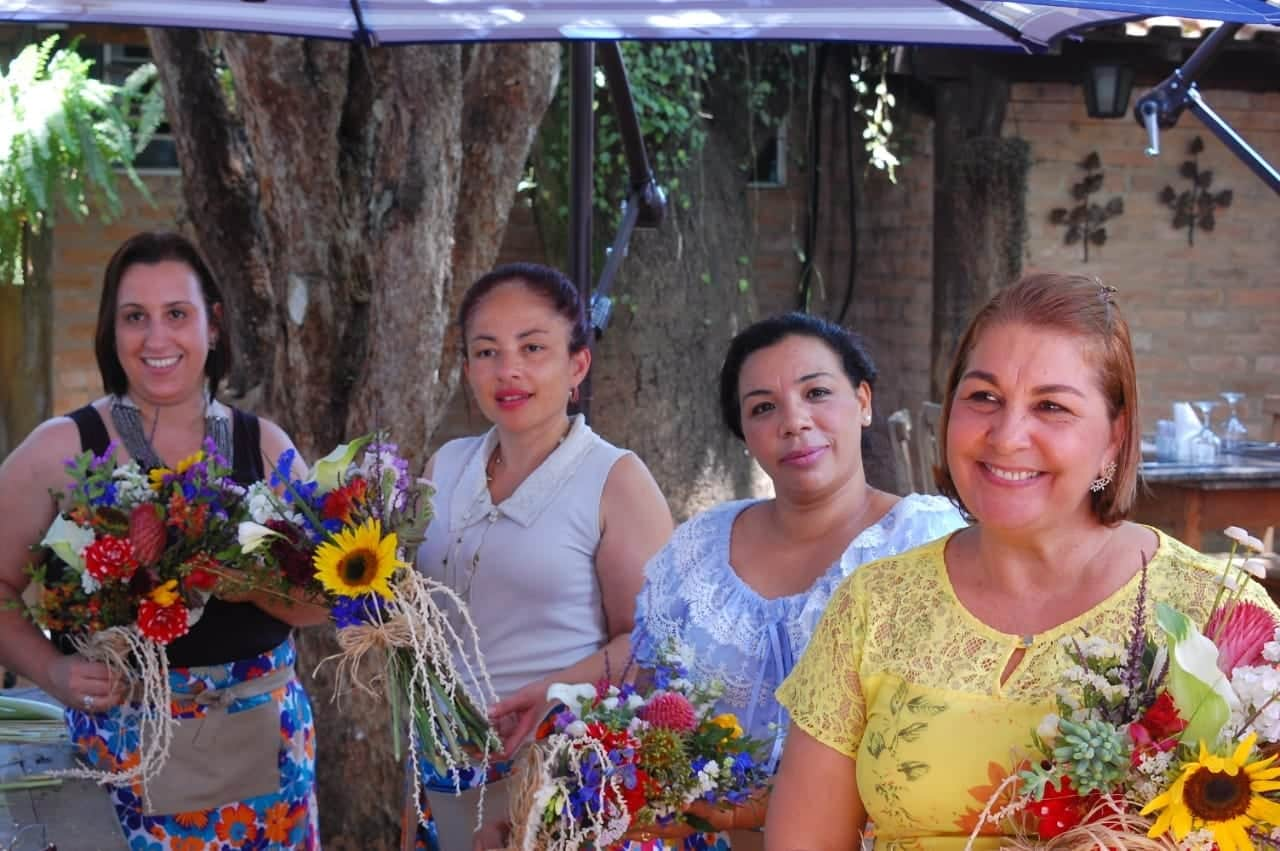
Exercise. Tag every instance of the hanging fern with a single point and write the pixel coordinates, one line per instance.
(63, 135)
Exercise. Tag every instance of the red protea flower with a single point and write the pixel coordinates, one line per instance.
(162, 624)
(146, 533)
(339, 503)
(110, 558)
(293, 553)
(1240, 631)
(670, 710)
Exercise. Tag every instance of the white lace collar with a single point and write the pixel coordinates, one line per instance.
(471, 499)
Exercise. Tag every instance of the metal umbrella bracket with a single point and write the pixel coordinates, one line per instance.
(1162, 106)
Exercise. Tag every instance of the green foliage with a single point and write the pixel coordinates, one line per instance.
(874, 103)
(668, 83)
(62, 135)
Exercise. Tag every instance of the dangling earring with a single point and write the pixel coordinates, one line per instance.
(866, 421)
(573, 395)
(1099, 484)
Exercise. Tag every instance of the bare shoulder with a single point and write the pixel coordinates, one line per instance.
(630, 482)
(40, 460)
(273, 439)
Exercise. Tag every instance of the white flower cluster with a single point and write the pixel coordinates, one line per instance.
(1153, 771)
(132, 486)
(1198, 840)
(1257, 687)
(1112, 692)
(1271, 650)
(264, 504)
(708, 780)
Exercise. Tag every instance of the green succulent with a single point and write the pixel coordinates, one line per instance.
(1096, 754)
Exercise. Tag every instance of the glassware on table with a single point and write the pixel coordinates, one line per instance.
(1166, 440)
(1205, 445)
(1234, 432)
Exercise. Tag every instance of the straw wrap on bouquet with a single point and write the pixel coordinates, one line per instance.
(421, 644)
(125, 651)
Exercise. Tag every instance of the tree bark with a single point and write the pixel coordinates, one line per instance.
(339, 193)
(26, 343)
(678, 299)
(979, 218)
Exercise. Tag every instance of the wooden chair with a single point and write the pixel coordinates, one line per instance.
(1271, 405)
(926, 439)
(904, 473)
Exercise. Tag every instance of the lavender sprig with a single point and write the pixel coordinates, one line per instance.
(1132, 677)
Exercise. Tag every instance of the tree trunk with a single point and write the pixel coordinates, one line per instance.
(328, 193)
(979, 219)
(26, 343)
(655, 374)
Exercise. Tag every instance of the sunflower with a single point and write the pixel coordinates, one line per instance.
(1220, 794)
(358, 561)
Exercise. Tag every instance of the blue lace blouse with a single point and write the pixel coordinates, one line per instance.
(695, 602)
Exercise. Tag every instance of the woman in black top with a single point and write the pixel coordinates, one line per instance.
(162, 346)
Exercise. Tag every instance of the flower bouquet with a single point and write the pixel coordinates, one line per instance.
(612, 764)
(127, 566)
(338, 537)
(1162, 744)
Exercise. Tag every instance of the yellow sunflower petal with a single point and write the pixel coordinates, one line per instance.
(1182, 819)
(1264, 810)
(1162, 823)
(1244, 749)
(1161, 800)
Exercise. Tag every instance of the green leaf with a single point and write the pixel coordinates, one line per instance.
(1199, 690)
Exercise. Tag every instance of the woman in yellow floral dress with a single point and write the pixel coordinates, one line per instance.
(919, 691)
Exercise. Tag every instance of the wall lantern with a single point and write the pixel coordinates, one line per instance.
(1107, 86)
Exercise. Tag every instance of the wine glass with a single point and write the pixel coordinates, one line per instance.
(1234, 432)
(1204, 444)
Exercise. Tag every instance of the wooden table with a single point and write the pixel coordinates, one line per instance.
(77, 816)
(1188, 500)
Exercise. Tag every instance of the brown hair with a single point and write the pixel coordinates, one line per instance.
(150, 247)
(1083, 307)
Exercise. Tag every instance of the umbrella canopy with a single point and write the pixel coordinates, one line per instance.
(968, 23)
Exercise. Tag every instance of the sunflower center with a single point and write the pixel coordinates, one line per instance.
(358, 567)
(1217, 796)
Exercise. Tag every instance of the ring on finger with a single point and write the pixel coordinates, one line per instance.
(88, 702)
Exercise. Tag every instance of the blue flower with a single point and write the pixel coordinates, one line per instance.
(354, 611)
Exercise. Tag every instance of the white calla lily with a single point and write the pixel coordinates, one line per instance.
(328, 471)
(68, 540)
(252, 535)
(1200, 691)
(572, 695)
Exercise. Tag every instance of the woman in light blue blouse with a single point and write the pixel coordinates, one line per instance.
(739, 588)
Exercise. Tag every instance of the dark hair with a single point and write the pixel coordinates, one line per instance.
(847, 345)
(552, 285)
(1083, 307)
(150, 247)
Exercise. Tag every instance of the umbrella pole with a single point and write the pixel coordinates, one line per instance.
(581, 154)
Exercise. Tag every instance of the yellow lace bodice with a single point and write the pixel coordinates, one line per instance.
(901, 677)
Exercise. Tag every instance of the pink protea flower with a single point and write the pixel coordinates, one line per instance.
(1240, 631)
(671, 711)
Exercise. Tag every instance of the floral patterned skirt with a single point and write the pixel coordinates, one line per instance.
(285, 819)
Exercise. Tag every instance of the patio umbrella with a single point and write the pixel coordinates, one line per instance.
(1029, 26)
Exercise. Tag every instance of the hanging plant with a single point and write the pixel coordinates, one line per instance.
(1195, 207)
(1086, 221)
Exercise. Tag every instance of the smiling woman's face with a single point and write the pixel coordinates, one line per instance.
(1028, 429)
(802, 418)
(163, 332)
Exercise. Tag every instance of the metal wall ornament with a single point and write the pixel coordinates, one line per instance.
(1195, 207)
(1086, 221)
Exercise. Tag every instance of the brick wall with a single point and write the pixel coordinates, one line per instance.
(80, 254)
(1204, 318)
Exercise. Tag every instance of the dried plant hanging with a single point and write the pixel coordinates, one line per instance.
(1195, 207)
(1086, 221)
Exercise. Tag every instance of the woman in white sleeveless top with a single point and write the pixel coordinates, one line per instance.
(542, 527)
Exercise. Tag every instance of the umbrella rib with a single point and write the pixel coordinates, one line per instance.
(1002, 27)
(364, 34)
